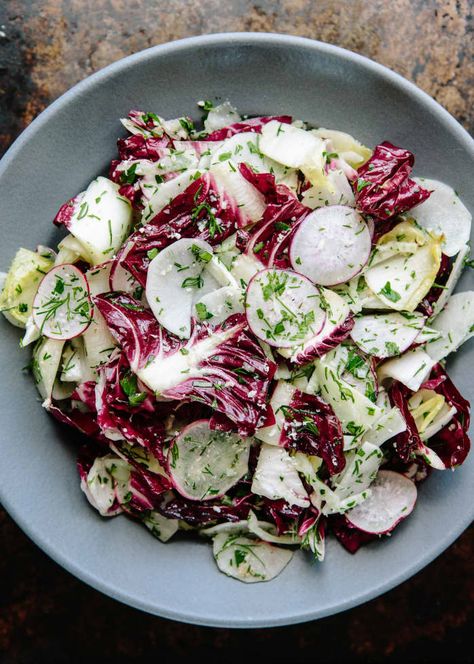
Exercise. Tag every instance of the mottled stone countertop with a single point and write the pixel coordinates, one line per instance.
(46, 46)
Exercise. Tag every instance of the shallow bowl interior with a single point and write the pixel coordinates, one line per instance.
(55, 158)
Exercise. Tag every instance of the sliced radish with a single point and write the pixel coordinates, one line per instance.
(283, 308)
(276, 477)
(443, 213)
(393, 499)
(387, 335)
(62, 308)
(412, 369)
(331, 245)
(456, 324)
(249, 560)
(337, 313)
(205, 463)
(175, 282)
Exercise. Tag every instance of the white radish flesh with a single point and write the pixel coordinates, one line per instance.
(331, 245)
(62, 307)
(393, 499)
(249, 560)
(283, 308)
(443, 213)
(205, 463)
(337, 311)
(175, 282)
(455, 323)
(387, 335)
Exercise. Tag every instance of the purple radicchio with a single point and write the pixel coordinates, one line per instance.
(312, 427)
(270, 238)
(202, 513)
(452, 443)
(252, 124)
(383, 187)
(348, 535)
(198, 212)
(232, 376)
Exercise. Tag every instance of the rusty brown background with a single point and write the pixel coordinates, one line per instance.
(46, 615)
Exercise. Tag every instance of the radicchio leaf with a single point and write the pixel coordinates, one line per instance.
(383, 187)
(233, 378)
(200, 211)
(252, 124)
(312, 427)
(348, 535)
(211, 511)
(407, 442)
(452, 443)
(426, 305)
(269, 239)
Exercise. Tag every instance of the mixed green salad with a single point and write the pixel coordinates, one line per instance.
(248, 324)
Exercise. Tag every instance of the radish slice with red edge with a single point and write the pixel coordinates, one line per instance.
(62, 308)
(331, 245)
(204, 463)
(387, 335)
(283, 308)
(392, 499)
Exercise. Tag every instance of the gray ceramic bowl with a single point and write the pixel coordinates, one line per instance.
(71, 142)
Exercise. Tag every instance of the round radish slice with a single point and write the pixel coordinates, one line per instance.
(331, 245)
(392, 499)
(62, 308)
(387, 335)
(204, 463)
(283, 308)
(175, 281)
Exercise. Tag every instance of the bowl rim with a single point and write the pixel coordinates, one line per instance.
(240, 38)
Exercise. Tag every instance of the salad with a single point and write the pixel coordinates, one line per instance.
(248, 324)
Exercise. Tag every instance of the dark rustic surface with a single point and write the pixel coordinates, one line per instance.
(46, 615)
